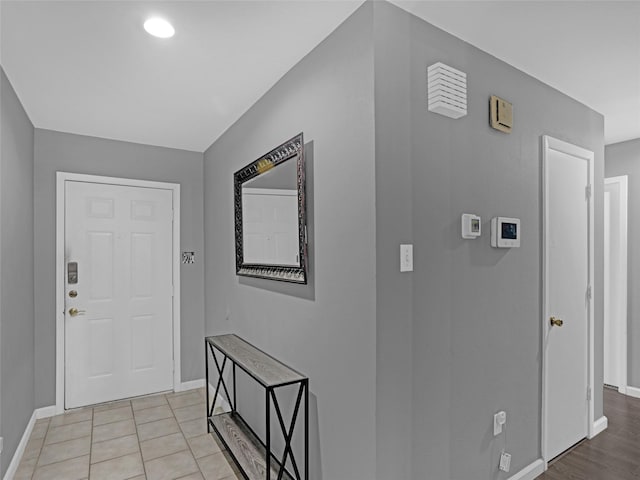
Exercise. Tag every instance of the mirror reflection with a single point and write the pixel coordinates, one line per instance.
(270, 217)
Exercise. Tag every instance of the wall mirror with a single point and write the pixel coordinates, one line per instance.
(270, 215)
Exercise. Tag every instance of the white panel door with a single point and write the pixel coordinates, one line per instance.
(567, 282)
(120, 343)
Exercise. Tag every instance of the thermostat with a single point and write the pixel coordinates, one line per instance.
(470, 226)
(505, 232)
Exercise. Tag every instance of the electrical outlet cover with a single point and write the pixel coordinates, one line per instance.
(505, 461)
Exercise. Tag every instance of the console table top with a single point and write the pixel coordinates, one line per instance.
(260, 365)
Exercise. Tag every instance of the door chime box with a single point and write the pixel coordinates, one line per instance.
(446, 90)
(501, 114)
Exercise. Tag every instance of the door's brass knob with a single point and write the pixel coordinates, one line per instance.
(73, 311)
(556, 322)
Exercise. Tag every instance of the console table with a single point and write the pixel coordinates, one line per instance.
(253, 456)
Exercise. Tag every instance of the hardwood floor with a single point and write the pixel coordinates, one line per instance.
(612, 455)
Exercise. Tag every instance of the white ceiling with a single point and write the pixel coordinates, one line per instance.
(589, 50)
(88, 67)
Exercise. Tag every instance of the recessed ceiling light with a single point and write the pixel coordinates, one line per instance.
(159, 27)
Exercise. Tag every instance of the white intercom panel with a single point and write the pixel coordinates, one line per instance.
(505, 232)
(471, 226)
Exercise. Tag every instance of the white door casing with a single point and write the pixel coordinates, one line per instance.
(611, 366)
(615, 282)
(122, 235)
(568, 239)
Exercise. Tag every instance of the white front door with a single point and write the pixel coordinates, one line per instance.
(118, 275)
(567, 299)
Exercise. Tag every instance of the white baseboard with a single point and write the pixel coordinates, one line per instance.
(184, 386)
(38, 413)
(45, 412)
(529, 472)
(633, 392)
(600, 425)
(17, 456)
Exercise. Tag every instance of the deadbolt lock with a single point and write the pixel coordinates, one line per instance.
(556, 322)
(73, 293)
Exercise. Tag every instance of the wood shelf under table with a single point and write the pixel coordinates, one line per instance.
(247, 450)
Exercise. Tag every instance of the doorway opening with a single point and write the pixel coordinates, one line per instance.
(615, 282)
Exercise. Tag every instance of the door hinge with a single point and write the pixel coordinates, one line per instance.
(589, 294)
(589, 393)
(588, 191)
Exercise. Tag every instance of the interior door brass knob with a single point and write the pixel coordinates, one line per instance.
(556, 322)
(73, 311)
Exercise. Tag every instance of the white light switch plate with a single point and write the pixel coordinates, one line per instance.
(499, 419)
(406, 258)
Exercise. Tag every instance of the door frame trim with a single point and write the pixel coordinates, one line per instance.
(61, 178)
(623, 205)
(548, 144)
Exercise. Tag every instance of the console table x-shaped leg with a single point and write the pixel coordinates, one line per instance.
(270, 397)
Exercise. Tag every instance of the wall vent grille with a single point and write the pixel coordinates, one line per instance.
(446, 90)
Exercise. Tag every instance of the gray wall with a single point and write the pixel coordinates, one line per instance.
(394, 225)
(624, 159)
(326, 329)
(476, 338)
(460, 337)
(16, 271)
(55, 151)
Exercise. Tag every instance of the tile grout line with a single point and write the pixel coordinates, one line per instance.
(112, 458)
(186, 440)
(35, 466)
(67, 440)
(135, 424)
(66, 459)
(93, 413)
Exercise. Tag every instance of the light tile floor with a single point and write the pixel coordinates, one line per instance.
(159, 437)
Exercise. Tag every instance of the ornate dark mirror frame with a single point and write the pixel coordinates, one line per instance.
(286, 151)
